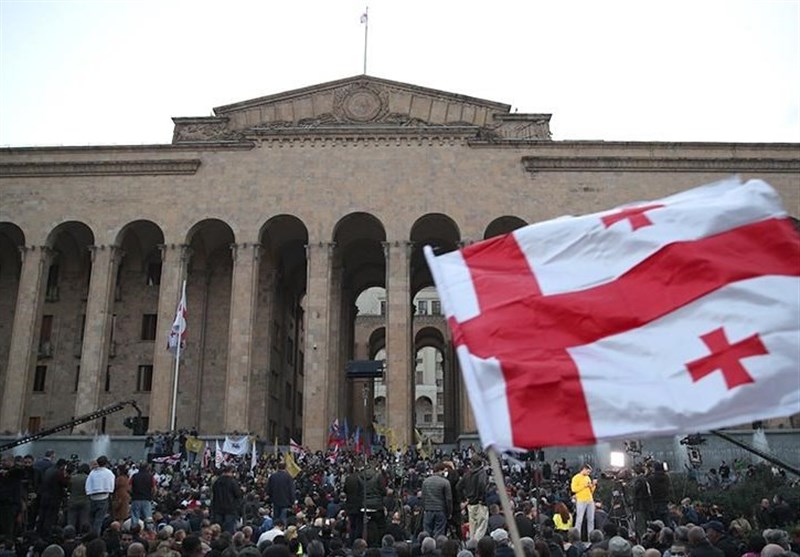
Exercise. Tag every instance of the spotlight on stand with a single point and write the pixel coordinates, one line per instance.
(617, 459)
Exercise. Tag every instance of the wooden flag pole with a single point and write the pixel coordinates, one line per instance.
(505, 502)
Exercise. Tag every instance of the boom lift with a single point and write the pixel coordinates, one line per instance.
(135, 423)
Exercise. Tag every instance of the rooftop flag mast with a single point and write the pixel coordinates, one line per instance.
(365, 21)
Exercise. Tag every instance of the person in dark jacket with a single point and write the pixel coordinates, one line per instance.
(719, 538)
(78, 507)
(10, 495)
(354, 503)
(52, 492)
(374, 492)
(660, 487)
(437, 501)
(281, 491)
(473, 486)
(226, 500)
(142, 484)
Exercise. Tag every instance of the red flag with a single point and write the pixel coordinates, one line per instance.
(177, 334)
(661, 318)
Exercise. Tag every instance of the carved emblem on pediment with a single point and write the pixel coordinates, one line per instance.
(360, 102)
(201, 131)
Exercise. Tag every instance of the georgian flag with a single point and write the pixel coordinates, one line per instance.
(660, 318)
(177, 334)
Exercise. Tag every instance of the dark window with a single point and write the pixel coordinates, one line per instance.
(149, 321)
(301, 362)
(299, 403)
(46, 336)
(288, 395)
(436, 307)
(154, 273)
(108, 379)
(77, 377)
(422, 307)
(51, 295)
(383, 307)
(39, 379)
(34, 424)
(144, 378)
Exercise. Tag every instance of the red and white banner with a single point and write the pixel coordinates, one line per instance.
(177, 334)
(666, 317)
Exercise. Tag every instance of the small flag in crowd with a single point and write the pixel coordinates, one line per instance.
(177, 334)
(253, 455)
(291, 465)
(295, 448)
(219, 456)
(206, 461)
(660, 318)
(168, 459)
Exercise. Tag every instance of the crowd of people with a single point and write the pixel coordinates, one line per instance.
(391, 504)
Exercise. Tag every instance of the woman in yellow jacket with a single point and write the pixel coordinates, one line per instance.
(562, 519)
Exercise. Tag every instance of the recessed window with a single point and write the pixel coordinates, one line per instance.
(39, 379)
(144, 378)
(149, 322)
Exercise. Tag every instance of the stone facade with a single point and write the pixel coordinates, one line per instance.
(278, 212)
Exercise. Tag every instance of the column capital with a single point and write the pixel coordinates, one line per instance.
(329, 246)
(183, 249)
(241, 247)
(113, 249)
(388, 246)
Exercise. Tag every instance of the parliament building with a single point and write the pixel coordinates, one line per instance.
(280, 212)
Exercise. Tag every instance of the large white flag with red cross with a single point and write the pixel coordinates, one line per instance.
(666, 317)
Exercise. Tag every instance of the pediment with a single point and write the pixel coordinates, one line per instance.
(357, 103)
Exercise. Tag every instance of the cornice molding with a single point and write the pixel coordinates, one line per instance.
(217, 145)
(99, 168)
(535, 164)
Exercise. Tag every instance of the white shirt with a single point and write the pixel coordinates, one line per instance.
(270, 535)
(100, 482)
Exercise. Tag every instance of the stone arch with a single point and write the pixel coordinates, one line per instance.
(377, 342)
(276, 389)
(437, 230)
(423, 411)
(12, 239)
(357, 263)
(61, 324)
(503, 225)
(209, 275)
(358, 246)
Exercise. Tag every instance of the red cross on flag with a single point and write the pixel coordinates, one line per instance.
(661, 318)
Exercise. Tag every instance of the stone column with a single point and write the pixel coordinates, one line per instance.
(317, 346)
(336, 335)
(97, 331)
(244, 283)
(399, 387)
(174, 259)
(24, 333)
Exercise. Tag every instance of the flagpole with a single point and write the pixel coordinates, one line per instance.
(365, 18)
(505, 502)
(174, 415)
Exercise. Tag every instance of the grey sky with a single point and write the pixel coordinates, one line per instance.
(78, 72)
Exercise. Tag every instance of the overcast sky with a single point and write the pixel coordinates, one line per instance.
(76, 72)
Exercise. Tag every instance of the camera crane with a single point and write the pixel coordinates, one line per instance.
(91, 416)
